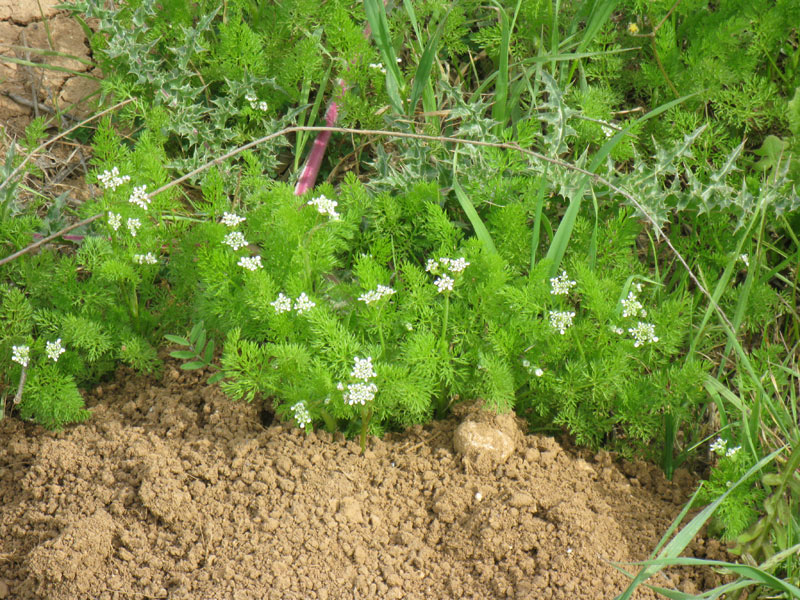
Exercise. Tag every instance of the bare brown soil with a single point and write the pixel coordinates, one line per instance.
(173, 491)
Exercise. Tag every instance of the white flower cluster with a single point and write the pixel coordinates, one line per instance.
(301, 414)
(532, 369)
(325, 206)
(255, 103)
(561, 285)
(454, 265)
(231, 219)
(444, 283)
(363, 369)
(235, 239)
(21, 354)
(139, 197)
(111, 180)
(720, 447)
(374, 295)
(561, 320)
(284, 303)
(251, 263)
(643, 333)
(631, 307)
(54, 350)
(133, 226)
(115, 220)
(378, 66)
(145, 259)
(362, 391)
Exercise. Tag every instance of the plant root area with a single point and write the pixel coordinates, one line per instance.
(173, 491)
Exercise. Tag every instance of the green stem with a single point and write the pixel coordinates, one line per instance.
(330, 422)
(366, 416)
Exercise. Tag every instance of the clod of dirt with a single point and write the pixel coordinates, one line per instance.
(485, 439)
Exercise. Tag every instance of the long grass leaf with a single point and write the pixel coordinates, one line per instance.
(686, 535)
(379, 24)
(477, 224)
(423, 74)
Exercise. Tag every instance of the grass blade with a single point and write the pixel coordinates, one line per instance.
(423, 74)
(379, 24)
(477, 224)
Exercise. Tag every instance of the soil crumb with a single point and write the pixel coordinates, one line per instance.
(173, 491)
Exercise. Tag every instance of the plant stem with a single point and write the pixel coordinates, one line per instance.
(22, 377)
(366, 417)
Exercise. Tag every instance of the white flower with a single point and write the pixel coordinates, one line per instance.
(235, 239)
(526, 363)
(631, 307)
(409, 326)
(745, 259)
(638, 287)
(360, 393)
(561, 285)
(444, 283)
(262, 106)
(378, 66)
(432, 265)
(362, 369)
(133, 226)
(54, 350)
(251, 98)
(561, 321)
(111, 179)
(538, 372)
(282, 304)
(643, 333)
(114, 220)
(145, 258)
(251, 263)
(376, 294)
(301, 414)
(719, 446)
(617, 330)
(325, 206)
(457, 265)
(340, 386)
(732, 451)
(303, 303)
(21, 354)
(139, 197)
(231, 219)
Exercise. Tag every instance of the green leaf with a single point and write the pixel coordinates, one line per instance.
(422, 76)
(175, 339)
(198, 327)
(376, 16)
(477, 224)
(216, 377)
(195, 364)
(183, 354)
(208, 354)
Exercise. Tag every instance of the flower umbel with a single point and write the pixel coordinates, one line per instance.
(376, 294)
(231, 219)
(303, 303)
(143, 259)
(561, 285)
(114, 220)
(360, 393)
(111, 180)
(301, 414)
(631, 307)
(133, 226)
(139, 197)
(643, 333)
(444, 283)
(251, 263)
(282, 304)
(235, 239)
(561, 320)
(21, 355)
(362, 369)
(325, 206)
(54, 350)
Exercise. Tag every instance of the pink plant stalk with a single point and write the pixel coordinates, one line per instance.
(310, 171)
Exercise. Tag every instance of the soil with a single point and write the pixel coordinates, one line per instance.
(171, 490)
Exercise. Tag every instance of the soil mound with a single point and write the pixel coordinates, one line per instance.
(173, 491)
